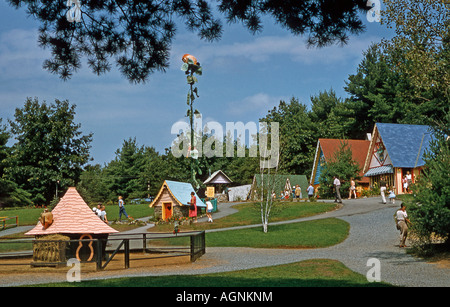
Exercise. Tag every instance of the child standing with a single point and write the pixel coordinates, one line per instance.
(209, 209)
(392, 195)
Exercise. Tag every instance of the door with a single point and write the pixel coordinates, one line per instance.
(167, 210)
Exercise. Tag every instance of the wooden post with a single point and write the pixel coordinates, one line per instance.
(99, 254)
(127, 253)
(144, 243)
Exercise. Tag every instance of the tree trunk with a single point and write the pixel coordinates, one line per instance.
(265, 227)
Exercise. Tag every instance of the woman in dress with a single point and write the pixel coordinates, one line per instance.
(193, 207)
(392, 195)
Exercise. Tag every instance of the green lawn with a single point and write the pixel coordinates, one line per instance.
(250, 214)
(310, 234)
(308, 273)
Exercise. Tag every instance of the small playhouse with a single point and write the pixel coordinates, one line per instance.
(220, 182)
(72, 220)
(173, 198)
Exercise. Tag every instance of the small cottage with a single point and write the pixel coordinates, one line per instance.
(220, 182)
(73, 219)
(325, 151)
(218, 177)
(396, 151)
(172, 200)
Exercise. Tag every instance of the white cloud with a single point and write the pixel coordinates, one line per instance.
(257, 105)
(19, 53)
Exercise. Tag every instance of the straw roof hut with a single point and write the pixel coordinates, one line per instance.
(73, 218)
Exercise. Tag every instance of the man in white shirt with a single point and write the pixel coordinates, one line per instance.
(310, 191)
(337, 187)
(402, 220)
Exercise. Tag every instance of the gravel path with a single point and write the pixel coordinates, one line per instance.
(372, 235)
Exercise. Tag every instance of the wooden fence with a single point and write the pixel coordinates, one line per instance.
(4, 221)
(102, 251)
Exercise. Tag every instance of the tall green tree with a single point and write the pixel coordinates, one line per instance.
(430, 208)
(419, 53)
(371, 94)
(123, 173)
(342, 166)
(155, 170)
(10, 194)
(419, 48)
(92, 185)
(333, 115)
(298, 136)
(50, 150)
(379, 92)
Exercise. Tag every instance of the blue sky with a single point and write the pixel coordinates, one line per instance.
(244, 76)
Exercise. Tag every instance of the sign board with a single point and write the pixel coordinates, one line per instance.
(210, 192)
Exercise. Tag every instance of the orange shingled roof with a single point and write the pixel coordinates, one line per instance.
(359, 150)
(73, 216)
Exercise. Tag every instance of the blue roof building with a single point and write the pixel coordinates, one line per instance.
(173, 198)
(396, 151)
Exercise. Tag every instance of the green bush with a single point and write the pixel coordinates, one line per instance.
(429, 209)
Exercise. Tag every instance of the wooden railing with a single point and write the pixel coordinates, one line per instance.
(4, 219)
(100, 253)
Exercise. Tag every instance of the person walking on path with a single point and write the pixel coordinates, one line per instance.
(209, 209)
(122, 209)
(337, 187)
(402, 220)
(383, 190)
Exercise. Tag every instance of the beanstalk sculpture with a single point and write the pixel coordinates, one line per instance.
(191, 66)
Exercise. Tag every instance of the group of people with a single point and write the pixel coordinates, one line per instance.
(337, 189)
(383, 188)
(296, 193)
(101, 213)
(286, 194)
(193, 208)
(406, 182)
